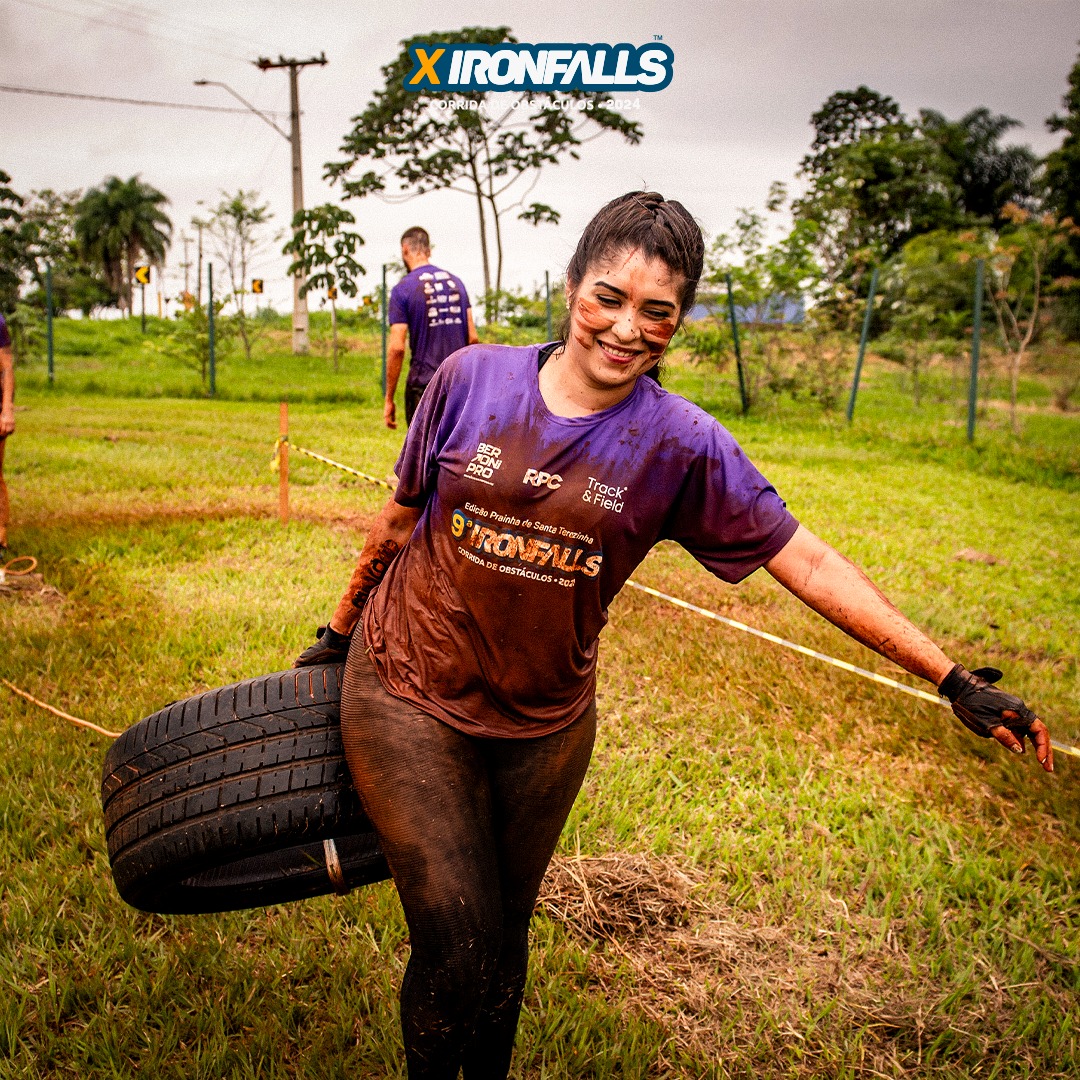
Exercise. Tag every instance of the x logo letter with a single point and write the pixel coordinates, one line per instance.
(427, 67)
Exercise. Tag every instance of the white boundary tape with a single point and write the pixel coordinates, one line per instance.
(842, 664)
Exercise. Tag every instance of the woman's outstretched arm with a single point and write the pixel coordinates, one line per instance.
(838, 590)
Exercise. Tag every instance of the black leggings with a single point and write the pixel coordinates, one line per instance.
(413, 394)
(468, 826)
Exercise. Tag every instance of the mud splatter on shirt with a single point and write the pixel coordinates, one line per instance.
(489, 617)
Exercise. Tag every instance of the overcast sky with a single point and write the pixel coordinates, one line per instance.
(735, 117)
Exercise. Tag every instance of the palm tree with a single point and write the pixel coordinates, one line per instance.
(119, 223)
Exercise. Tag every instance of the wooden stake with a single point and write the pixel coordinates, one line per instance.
(283, 465)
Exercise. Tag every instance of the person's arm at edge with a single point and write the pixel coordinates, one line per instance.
(474, 337)
(839, 591)
(7, 403)
(395, 358)
(387, 536)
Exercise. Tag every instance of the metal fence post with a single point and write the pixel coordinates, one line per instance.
(210, 317)
(49, 319)
(283, 463)
(738, 350)
(976, 330)
(862, 344)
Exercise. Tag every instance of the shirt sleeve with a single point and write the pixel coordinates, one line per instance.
(5, 335)
(398, 309)
(417, 467)
(728, 516)
(466, 303)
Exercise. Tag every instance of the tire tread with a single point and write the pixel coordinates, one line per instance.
(231, 776)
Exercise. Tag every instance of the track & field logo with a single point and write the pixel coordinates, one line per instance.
(455, 67)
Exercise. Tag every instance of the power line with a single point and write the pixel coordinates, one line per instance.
(123, 100)
(182, 24)
(138, 30)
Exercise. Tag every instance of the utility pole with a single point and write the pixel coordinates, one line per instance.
(300, 308)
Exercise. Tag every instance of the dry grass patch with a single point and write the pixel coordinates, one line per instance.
(30, 589)
(730, 988)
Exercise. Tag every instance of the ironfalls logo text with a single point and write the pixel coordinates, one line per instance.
(442, 67)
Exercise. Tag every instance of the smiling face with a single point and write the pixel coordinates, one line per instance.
(623, 313)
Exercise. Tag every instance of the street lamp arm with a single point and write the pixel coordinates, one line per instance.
(244, 101)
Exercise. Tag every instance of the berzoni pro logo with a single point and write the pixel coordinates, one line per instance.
(455, 67)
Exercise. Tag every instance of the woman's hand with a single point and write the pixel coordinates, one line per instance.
(7, 422)
(330, 648)
(995, 714)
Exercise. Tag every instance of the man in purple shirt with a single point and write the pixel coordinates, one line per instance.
(7, 419)
(432, 308)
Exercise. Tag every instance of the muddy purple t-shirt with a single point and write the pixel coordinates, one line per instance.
(5, 336)
(488, 618)
(434, 305)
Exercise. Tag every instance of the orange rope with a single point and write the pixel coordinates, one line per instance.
(59, 712)
(6, 568)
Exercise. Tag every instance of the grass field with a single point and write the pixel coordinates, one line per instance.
(792, 872)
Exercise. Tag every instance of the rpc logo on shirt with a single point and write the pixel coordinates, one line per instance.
(538, 478)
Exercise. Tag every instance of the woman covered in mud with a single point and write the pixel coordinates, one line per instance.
(532, 483)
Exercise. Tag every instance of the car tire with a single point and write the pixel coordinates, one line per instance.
(236, 798)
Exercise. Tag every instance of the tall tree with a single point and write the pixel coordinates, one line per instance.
(235, 225)
(1062, 167)
(414, 144)
(844, 119)
(926, 291)
(878, 192)
(120, 223)
(1018, 259)
(1062, 178)
(875, 180)
(323, 249)
(986, 175)
(75, 282)
(15, 240)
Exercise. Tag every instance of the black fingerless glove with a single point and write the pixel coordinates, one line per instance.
(331, 648)
(979, 704)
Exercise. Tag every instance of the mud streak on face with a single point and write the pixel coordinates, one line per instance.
(657, 334)
(593, 319)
